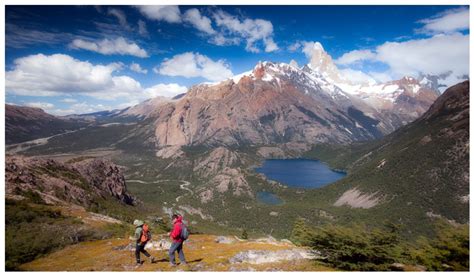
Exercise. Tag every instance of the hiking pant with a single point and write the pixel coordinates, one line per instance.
(177, 246)
(140, 248)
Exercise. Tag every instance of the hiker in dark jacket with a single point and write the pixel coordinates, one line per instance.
(177, 241)
(140, 243)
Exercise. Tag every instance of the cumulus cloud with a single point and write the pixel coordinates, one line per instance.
(170, 14)
(441, 54)
(110, 47)
(49, 75)
(356, 76)
(191, 65)
(61, 75)
(200, 22)
(436, 55)
(42, 75)
(165, 90)
(449, 21)
(137, 68)
(355, 56)
(251, 30)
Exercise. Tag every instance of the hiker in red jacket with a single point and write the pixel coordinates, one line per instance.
(175, 236)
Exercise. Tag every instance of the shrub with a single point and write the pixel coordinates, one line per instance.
(358, 248)
(448, 251)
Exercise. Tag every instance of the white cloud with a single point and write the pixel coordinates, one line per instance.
(252, 30)
(356, 76)
(137, 68)
(191, 65)
(446, 22)
(170, 14)
(270, 45)
(122, 18)
(165, 90)
(295, 46)
(42, 75)
(436, 55)
(355, 56)
(380, 76)
(200, 22)
(142, 30)
(61, 75)
(109, 47)
(231, 30)
(440, 54)
(80, 108)
(68, 100)
(42, 105)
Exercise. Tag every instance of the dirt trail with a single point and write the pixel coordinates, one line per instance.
(184, 186)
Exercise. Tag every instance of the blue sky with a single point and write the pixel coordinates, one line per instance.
(80, 59)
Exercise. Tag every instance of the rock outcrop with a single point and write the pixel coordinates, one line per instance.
(53, 181)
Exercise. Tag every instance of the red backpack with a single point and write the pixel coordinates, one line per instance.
(146, 236)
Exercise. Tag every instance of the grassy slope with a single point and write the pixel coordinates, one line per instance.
(202, 253)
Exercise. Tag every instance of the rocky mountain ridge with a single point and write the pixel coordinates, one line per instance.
(56, 182)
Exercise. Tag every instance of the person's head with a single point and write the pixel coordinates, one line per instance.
(174, 218)
(137, 222)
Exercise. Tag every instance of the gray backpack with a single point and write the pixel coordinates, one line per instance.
(184, 232)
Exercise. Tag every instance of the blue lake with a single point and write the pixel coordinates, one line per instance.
(268, 198)
(299, 173)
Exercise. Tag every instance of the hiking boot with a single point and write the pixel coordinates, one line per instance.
(173, 265)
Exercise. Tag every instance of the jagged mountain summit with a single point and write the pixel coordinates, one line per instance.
(283, 103)
(279, 103)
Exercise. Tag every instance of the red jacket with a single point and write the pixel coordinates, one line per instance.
(175, 234)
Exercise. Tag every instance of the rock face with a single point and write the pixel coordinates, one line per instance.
(28, 123)
(80, 182)
(407, 98)
(278, 103)
(106, 177)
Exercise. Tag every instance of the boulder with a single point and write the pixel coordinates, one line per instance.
(267, 256)
(226, 240)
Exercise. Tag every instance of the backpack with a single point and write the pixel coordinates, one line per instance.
(184, 232)
(146, 235)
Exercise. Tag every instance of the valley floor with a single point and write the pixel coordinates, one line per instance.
(202, 252)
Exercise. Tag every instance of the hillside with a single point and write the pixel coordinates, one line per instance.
(412, 176)
(203, 253)
(27, 123)
(64, 202)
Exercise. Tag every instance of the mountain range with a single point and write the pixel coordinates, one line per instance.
(195, 153)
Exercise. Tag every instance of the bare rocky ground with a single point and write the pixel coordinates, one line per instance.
(203, 253)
